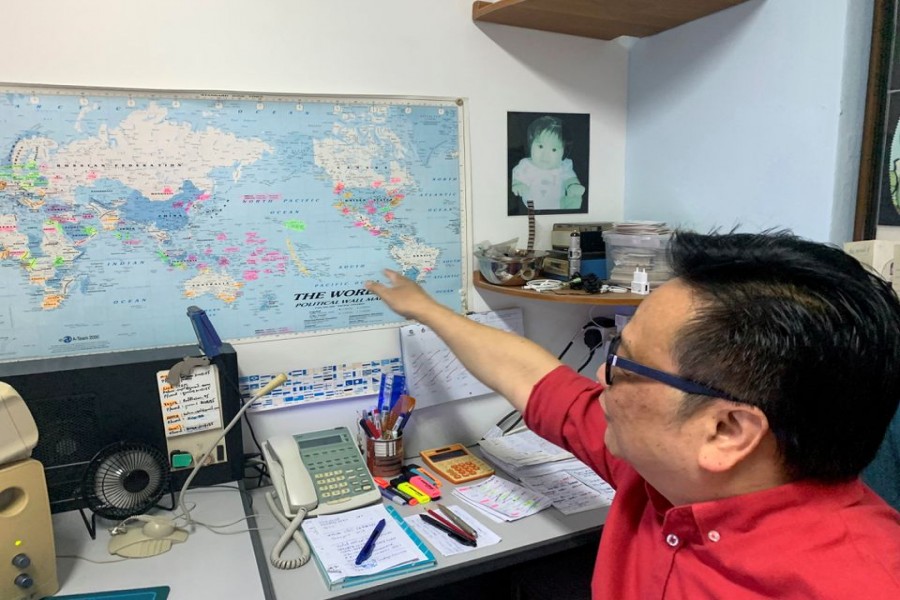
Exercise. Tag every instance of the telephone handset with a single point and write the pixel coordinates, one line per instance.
(321, 471)
(314, 473)
(293, 485)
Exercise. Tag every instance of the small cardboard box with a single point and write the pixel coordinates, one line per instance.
(878, 254)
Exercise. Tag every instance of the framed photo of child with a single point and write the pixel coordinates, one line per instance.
(548, 158)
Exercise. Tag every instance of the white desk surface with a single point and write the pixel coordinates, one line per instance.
(534, 536)
(213, 566)
(207, 565)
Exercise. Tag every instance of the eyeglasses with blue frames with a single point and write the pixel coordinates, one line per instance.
(679, 383)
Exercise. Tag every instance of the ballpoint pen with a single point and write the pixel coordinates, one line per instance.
(438, 517)
(462, 540)
(457, 520)
(366, 551)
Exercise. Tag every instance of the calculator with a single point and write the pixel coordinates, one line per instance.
(456, 464)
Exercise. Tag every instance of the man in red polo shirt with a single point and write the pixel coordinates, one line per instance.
(733, 417)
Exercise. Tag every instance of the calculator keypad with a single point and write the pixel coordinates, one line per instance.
(464, 469)
(458, 469)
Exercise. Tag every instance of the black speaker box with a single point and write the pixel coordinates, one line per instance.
(82, 404)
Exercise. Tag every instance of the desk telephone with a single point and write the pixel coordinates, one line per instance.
(315, 473)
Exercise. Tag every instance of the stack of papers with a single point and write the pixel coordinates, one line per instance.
(522, 449)
(502, 500)
(548, 470)
(337, 539)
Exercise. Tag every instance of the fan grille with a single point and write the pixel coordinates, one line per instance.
(125, 479)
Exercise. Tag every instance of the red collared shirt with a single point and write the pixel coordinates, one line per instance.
(802, 540)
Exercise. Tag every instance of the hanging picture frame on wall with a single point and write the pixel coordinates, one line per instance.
(878, 195)
(548, 159)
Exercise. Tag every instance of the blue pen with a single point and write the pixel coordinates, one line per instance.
(401, 422)
(366, 551)
(398, 424)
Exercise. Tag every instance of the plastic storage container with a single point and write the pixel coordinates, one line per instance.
(627, 252)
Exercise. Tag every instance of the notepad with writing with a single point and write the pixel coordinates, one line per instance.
(336, 540)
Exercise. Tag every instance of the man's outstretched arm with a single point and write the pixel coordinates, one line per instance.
(507, 363)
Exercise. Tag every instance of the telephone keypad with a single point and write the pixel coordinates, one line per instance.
(337, 469)
(333, 481)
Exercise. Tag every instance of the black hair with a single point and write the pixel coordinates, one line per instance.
(545, 124)
(799, 329)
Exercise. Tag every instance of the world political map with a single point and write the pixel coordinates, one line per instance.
(119, 209)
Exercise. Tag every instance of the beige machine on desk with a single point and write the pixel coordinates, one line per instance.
(28, 556)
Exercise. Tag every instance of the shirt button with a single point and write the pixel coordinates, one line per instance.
(672, 540)
(713, 536)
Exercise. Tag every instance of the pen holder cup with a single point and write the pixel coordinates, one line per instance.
(384, 457)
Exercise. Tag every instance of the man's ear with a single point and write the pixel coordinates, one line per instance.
(733, 432)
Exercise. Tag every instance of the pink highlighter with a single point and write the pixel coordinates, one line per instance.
(429, 490)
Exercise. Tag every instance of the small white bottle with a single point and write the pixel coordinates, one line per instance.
(574, 253)
(639, 283)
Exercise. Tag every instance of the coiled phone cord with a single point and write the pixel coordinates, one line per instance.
(290, 533)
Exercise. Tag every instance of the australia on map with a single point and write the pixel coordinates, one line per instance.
(120, 209)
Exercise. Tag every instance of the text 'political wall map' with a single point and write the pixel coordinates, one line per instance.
(121, 208)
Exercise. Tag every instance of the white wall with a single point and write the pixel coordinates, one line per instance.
(751, 117)
(747, 116)
(396, 47)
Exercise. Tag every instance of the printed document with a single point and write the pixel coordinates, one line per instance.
(502, 500)
(549, 470)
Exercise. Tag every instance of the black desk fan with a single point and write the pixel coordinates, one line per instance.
(124, 479)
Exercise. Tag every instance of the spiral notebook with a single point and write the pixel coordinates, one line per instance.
(335, 541)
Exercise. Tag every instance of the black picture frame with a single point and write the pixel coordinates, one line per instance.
(576, 137)
(878, 197)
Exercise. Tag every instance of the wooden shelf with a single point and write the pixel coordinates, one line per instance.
(603, 20)
(567, 296)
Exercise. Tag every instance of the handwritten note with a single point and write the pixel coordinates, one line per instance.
(193, 405)
(433, 373)
(337, 539)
